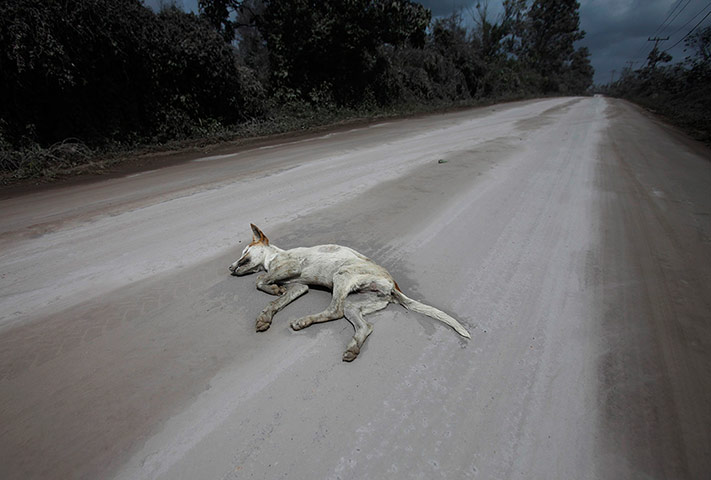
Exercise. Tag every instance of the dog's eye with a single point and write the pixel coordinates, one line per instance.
(242, 261)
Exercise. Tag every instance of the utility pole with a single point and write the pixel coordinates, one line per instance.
(612, 76)
(656, 40)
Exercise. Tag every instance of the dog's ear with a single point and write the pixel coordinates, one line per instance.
(258, 236)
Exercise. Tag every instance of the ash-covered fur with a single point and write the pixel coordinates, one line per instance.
(340, 269)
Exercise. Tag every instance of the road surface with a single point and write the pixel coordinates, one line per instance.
(572, 236)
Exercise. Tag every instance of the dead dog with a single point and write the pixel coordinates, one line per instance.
(340, 269)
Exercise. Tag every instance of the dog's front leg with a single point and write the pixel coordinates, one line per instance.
(293, 291)
(283, 271)
(267, 284)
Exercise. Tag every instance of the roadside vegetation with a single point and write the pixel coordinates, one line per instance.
(81, 80)
(680, 92)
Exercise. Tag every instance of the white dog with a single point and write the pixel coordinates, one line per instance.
(341, 269)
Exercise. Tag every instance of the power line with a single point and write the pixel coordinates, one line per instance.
(674, 18)
(662, 26)
(675, 12)
(641, 49)
(659, 28)
(691, 31)
(690, 20)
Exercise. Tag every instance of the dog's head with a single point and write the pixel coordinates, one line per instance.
(253, 256)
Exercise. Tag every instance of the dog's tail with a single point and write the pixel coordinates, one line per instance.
(418, 307)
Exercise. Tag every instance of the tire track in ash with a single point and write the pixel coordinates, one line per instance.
(44, 339)
(82, 387)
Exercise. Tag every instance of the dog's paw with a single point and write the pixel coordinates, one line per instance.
(263, 326)
(263, 322)
(297, 325)
(351, 354)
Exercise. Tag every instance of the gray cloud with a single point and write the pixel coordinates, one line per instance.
(617, 31)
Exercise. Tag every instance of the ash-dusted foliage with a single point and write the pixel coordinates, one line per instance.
(111, 70)
(114, 73)
(680, 91)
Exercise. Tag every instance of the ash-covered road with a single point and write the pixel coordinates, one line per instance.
(571, 236)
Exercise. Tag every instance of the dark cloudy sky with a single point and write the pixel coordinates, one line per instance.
(617, 30)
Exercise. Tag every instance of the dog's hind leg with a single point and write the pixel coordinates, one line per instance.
(343, 284)
(291, 293)
(354, 311)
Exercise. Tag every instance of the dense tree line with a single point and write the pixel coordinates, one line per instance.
(110, 69)
(114, 71)
(679, 91)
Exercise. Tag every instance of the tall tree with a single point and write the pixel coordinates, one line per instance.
(450, 39)
(657, 56)
(513, 24)
(489, 41)
(700, 43)
(221, 15)
(551, 29)
(110, 70)
(330, 46)
(579, 73)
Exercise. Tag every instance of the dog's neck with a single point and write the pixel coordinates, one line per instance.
(271, 255)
